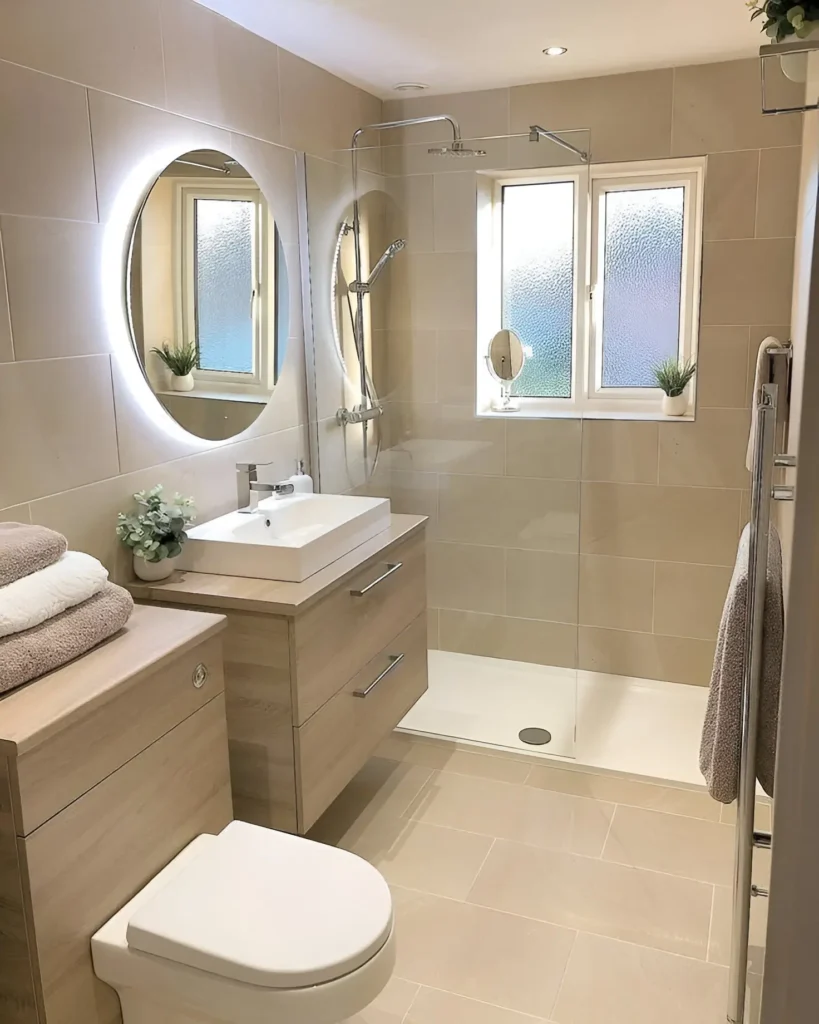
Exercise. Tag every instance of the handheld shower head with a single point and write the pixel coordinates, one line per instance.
(389, 253)
(456, 149)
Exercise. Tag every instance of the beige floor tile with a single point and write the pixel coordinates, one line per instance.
(610, 982)
(442, 861)
(677, 845)
(508, 961)
(448, 757)
(391, 1006)
(719, 946)
(431, 1006)
(626, 791)
(521, 813)
(592, 895)
(762, 814)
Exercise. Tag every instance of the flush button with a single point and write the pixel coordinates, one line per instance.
(200, 675)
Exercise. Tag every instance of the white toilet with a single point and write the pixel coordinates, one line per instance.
(251, 927)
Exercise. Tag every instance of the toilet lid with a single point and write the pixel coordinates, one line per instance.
(268, 908)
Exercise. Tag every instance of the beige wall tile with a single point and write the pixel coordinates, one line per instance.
(616, 593)
(747, 281)
(543, 448)
(114, 45)
(629, 115)
(450, 439)
(16, 514)
(219, 72)
(627, 903)
(60, 413)
(470, 951)
(623, 983)
(551, 821)
(730, 195)
(415, 493)
(762, 814)
(717, 109)
(707, 453)
(645, 655)
(497, 636)
(688, 599)
(722, 362)
(620, 451)
(456, 364)
(411, 365)
(541, 585)
(415, 210)
(59, 259)
(465, 576)
(778, 192)
(689, 802)
(6, 345)
(433, 1007)
(690, 524)
(541, 515)
(440, 290)
(455, 218)
(44, 124)
(687, 847)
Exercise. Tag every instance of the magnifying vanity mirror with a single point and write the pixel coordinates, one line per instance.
(207, 294)
(505, 358)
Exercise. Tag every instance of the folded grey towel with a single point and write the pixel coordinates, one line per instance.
(28, 655)
(719, 750)
(25, 549)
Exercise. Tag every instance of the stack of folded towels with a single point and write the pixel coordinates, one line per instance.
(55, 604)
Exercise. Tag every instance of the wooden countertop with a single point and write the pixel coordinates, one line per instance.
(41, 708)
(272, 596)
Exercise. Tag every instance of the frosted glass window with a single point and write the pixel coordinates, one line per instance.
(642, 283)
(223, 254)
(538, 283)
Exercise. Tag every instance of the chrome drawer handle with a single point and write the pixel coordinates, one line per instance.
(391, 568)
(395, 661)
(200, 675)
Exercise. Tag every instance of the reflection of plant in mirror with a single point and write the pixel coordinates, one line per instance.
(673, 377)
(785, 18)
(180, 360)
(157, 530)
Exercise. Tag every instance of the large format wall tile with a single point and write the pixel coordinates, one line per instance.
(455, 214)
(747, 281)
(541, 585)
(645, 655)
(57, 416)
(113, 45)
(620, 451)
(722, 360)
(707, 453)
(465, 576)
(61, 260)
(688, 599)
(219, 72)
(616, 593)
(449, 439)
(6, 346)
(513, 639)
(47, 170)
(730, 195)
(778, 192)
(543, 448)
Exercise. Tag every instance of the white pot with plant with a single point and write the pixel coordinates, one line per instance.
(789, 22)
(673, 378)
(181, 361)
(156, 532)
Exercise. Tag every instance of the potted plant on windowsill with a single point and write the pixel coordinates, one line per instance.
(156, 532)
(673, 378)
(787, 21)
(181, 361)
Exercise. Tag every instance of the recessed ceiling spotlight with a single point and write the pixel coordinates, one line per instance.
(410, 87)
(555, 51)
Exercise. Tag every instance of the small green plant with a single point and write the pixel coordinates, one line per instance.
(180, 360)
(157, 529)
(784, 18)
(673, 376)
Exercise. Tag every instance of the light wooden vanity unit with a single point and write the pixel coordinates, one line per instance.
(316, 673)
(108, 768)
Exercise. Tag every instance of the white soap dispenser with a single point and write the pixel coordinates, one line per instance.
(301, 481)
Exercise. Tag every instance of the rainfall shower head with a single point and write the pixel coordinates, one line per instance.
(456, 149)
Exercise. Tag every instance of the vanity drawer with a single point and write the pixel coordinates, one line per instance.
(337, 637)
(64, 766)
(338, 739)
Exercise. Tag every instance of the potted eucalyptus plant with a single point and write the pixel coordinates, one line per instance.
(787, 21)
(156, 532)
(673, 377)
(181, 361)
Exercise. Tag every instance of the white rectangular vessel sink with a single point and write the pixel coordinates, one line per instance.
(287, 538)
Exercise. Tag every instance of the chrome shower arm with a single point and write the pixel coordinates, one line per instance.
(406, 123)
(536, 133)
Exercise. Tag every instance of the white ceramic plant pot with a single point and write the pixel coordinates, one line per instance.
(675, 405)
(153, 571)
(182, 383)
(795, 65)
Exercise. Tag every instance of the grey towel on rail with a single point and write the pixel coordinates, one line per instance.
(719, 750)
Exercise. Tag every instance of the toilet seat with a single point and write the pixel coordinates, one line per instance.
(267, 908)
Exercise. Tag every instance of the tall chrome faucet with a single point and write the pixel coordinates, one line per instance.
(249, 487)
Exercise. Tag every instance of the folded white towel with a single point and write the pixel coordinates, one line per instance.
(27, 602)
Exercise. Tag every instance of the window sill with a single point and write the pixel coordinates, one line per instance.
(653, 416)
(222, 396)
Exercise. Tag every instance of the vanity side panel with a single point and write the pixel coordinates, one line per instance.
(86, 862)
(18, 990)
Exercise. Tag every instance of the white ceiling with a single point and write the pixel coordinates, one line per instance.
(458, 45)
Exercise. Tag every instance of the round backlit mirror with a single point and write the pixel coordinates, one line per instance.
(505, 358)
(207, 294)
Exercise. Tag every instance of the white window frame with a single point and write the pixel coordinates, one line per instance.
(588, 398)
(261, 381)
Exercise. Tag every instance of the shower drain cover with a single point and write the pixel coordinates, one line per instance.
(535, 737)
